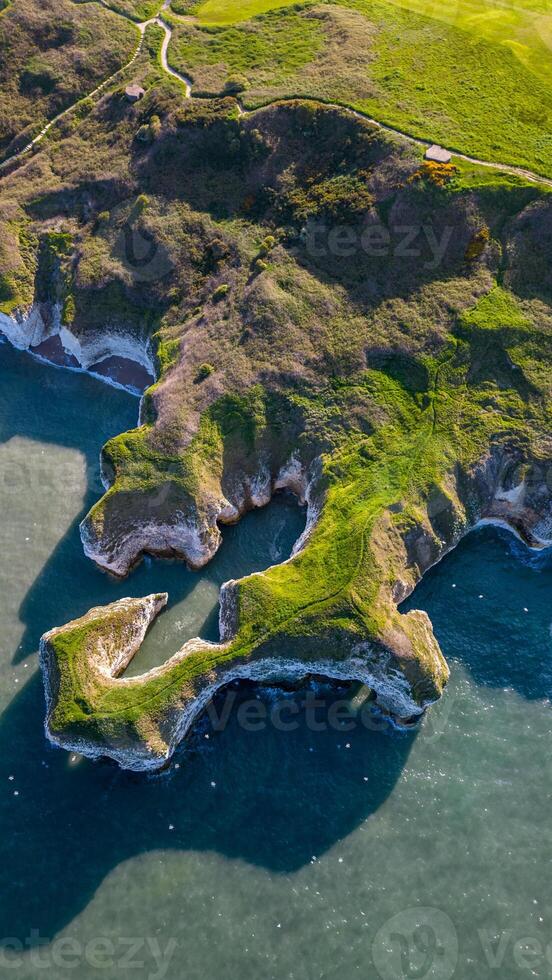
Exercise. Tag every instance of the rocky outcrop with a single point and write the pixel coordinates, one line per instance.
(150, 744)
(29, 328)
(402, 664)
(187, 530)
(108, 637)
(385, 503)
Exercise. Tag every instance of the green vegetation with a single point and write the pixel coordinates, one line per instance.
(476, 76)
(496, 311)
(524, 29)
(468, 92)
(225, 12)
(18, 260)
(336, 591)
(391, 374)
(204, 371)
(52, 52)
(138, 10)
(267, 50)
(337, 198)
(405, 379)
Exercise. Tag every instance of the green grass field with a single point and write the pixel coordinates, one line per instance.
(475, 75)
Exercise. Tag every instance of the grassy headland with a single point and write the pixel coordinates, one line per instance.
(325, 309)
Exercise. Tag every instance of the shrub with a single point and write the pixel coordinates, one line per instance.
(477, 245)
(102, 219)
(7, 289)
(68, 312)
(155, 126)
(149, 131)
(267, 245)
(220, 292)
(235, 84)
(39, 76)
(439, 174)
(341, 197)
(216, 250)
(204, 371)
(142, 202)
(144, 134)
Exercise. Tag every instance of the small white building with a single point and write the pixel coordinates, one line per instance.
(438, 154)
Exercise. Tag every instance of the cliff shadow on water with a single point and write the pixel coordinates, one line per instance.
(273, 797)
(53, 408)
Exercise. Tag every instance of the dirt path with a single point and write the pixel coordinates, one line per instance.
(418, 141)
(187, 83)
(90, 95)
(163, 53)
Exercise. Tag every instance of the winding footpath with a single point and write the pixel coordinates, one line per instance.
(187, 83)
(141, 27)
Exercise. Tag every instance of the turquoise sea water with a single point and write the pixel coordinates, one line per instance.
(290, 854)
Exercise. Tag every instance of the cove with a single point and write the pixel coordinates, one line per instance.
(270, 853)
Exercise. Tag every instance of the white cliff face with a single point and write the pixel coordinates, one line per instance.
(184, 538)
(259, 489)
(228, 610)
(191, 537)
(293, 476)
(372, 667)
(26, 329)
(392, 694)
(91, 350)
(108, 660)
(391, 691)
(514, 496)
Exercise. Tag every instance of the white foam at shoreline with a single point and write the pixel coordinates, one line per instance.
(28, 333)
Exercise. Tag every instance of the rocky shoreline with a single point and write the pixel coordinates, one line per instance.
(193, 539)
(116, 357)
(491, 494)
(389, 688)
